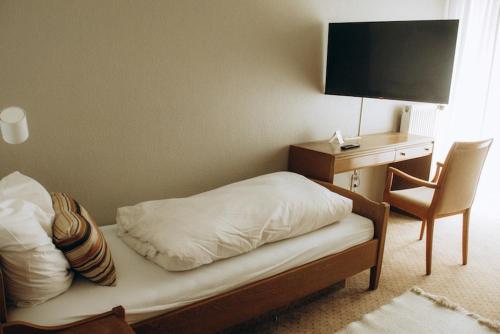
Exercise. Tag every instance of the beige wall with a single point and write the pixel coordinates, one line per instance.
(136, 100)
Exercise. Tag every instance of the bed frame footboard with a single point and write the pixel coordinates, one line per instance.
(378, 213)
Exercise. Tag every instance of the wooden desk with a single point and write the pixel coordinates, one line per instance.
(322, 160)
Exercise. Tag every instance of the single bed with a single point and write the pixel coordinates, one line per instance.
(228, 291)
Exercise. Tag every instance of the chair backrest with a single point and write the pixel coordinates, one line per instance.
(458, 181)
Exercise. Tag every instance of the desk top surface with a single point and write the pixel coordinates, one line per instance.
(368, 143)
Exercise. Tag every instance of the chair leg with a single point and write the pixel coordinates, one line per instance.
(465, 236)
(428, 245)
(422, 229)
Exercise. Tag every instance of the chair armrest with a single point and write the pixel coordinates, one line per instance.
(439, 168)
(409, 178)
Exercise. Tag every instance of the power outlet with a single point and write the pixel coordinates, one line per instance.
(355, 180)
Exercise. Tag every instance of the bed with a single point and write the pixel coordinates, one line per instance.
(227, 292)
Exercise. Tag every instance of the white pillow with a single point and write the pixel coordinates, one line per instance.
(184, 233)
(17, 185)
(34, 269)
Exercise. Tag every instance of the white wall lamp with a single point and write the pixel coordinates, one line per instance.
(13, 125)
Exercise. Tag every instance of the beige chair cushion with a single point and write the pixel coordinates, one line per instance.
(420, 196)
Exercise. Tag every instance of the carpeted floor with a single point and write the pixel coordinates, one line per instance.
(476, 287)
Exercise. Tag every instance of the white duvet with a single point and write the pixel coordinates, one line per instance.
(185, 233)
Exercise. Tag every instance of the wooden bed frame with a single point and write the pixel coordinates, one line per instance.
(244, 303)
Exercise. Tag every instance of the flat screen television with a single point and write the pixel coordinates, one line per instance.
(399, 60)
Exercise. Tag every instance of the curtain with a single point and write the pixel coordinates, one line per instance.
(474, 109)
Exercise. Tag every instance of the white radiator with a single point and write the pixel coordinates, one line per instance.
(419, 120)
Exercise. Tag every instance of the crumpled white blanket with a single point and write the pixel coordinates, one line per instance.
(185, 233)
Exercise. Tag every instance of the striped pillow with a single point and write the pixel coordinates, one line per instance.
(76, 234)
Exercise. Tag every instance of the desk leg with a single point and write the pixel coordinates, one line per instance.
(419, 167)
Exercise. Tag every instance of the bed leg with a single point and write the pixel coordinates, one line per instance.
(374, 277)
(340, 285)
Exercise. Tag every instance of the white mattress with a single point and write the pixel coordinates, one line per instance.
(145, 289)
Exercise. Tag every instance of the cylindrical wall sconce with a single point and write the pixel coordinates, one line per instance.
(13, 125)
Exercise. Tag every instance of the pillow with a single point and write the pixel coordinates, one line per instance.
(185, 233)
(82, 242)
(34, 269)
(17, 185)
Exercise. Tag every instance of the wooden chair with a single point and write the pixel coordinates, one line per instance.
(450, 192)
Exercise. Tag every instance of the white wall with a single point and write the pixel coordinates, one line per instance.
(136, 100)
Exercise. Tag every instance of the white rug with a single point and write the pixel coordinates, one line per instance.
(419, 312)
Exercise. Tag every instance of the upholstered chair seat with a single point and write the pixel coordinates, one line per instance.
(420, 196)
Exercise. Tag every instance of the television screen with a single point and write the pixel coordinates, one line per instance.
(400, 60)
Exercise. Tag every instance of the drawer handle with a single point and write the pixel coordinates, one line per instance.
(402, 153)
(427, 149)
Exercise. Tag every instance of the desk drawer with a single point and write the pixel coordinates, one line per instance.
(350, 163)
(413, 152)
